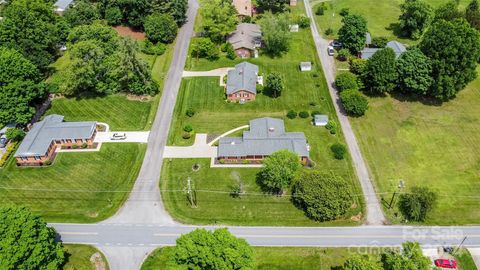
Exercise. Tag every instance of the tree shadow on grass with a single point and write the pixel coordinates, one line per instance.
(396, 30)
(404, 97)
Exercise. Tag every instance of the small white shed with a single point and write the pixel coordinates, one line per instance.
(293, 28)
(320, 120)
(306, 66)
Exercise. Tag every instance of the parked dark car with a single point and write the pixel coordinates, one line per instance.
(3, 142)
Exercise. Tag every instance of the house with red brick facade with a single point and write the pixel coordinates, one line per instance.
(40, 144)
(266, 136)
(246, 39)
(241, 83)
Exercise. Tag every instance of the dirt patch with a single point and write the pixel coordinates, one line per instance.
(357, 218)
(125, 31)
(139, 98)
(97, 261)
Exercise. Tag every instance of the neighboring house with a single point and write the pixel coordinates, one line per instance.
(246, 39)
(4, 129)
(320, 120)
(305, 66)
(242, 82)
(266, 136)
(62, 5)
(396, 46)
(42, 140)
(368, 39)
(244, 7)
(293, 3)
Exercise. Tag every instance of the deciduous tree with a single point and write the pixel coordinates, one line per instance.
(274, 84)
(416, 204)
(27, 242)
(219, 19)
(272, 5)
(279, 170)
(322, 196)
(448, 11)
(414, 72)
(354, 102)
(83, 12)
(204, 48)
(176, 8)
(352, 33)
(454, 49)
(472, 14)
(160, 28)
(410, 258)
(415, 18)
(275, 33)
(381, 73)
(361, 262)
(346, 81)
(218, 249)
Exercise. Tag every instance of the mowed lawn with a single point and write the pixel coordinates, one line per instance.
(78, 257)
(77, 187)
(381, 15)
(273, 258)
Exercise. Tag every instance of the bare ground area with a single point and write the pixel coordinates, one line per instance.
(126, 31)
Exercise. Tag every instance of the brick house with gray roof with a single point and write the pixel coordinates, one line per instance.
(266, 136)
(46, 136)
(246, 39)
(241, 83)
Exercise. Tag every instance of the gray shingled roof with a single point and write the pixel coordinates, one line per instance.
(63, 4)
(266, 136)
(246, 36)
(396, 46)
(38, 139)
(243, 77)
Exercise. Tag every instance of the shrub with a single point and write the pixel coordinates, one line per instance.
(339, 150)
(417, 204)
(190, 112)
(292, 114)
(47, 163)
(379, 42)
(204, 48)
(331, 126)
(346, 81)
(322, 196)
(84, 145)
(344, 12)
(221, 161)
(303, 114)
(329, 31)
(303, 21)
(343, 54)
(279, 170)
(320, 10)
(230, 51)
(74, 146)
(357, 66)
(8, 153)
(315, 113)
(259, 88)
(113, 15)
(312, 103)
(15, 134)
(354, 102)
(188, 128)
(186, 135)
(149, 48)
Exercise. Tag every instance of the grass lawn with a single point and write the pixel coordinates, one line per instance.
(77, 187)
(78, 257)
(380, 15)
(273, 258)
(434, 146)
(464, 259)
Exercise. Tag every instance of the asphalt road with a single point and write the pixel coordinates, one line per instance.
(374, 211)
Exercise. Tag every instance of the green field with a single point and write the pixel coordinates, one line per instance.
(381, 15)
(78, 257)
(273, 258)
(78, 187)
(465, 260)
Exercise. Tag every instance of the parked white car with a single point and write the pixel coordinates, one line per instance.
(118, 136)
(330, 50)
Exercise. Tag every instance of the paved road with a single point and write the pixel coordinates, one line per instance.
(374, 210)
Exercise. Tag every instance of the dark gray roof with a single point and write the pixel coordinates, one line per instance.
(396, 46)
(51, 128)
(63, 4)
(266, 136)
(243, 77)
(246, 36)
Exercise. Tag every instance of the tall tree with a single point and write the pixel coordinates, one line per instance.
(219, 19)
(359, 262)
(279, 170)
(27, 242)
(417, 204)
(352, 33)
(322, 196)
(380, 73)
(176, 8)
(218, 249)
(160, 28)
(83, 12)
(472, 14)
(415, 18)
(275, 33)
(414, 72)
(272, 5)
(274, 84)
(454, 48)
(410, 258)
(448, 11)
(32, 28)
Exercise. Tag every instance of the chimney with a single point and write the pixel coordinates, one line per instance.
(271, 129)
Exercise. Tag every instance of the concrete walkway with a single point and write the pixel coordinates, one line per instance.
(475, 252)
(374, 215)
(132, 136)
(227, 133)
(199, 149)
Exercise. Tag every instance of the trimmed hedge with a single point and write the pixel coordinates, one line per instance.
(9, 151)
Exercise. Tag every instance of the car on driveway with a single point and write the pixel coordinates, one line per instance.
(330, 51)
(118, 136)
(3, 142)
(336, 44)
(446, 263)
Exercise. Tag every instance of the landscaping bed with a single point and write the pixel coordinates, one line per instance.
(84, 257)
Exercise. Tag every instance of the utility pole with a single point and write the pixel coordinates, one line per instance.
(401, 185)
(458, 247)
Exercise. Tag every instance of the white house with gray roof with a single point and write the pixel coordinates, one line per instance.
(266, 136)
(41, 141)
(396, 46)
(241, 83)
(246, 39)
(62, 5)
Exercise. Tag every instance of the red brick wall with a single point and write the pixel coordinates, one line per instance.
(237, 96)
(243, 53)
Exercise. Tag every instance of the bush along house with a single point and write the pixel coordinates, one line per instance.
(266, 136)
(39, 146)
